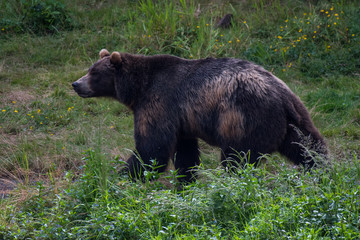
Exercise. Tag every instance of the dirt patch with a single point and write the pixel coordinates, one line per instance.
(6, 186)
(18, 96)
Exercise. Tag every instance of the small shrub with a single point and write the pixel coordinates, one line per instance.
(36, 16)
(45, 16)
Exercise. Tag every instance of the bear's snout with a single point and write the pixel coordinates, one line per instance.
(81, 87)
(75, 85)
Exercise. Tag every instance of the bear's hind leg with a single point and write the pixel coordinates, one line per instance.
(301, 147)
(186, 158)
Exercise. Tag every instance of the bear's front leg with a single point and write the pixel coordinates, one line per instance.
(155, 136)
(145, 161)
(187, 159)
(152, 153)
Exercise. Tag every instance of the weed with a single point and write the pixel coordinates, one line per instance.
(62, 192)
(36, 16)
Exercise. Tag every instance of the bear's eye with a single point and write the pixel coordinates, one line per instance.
(94, 73)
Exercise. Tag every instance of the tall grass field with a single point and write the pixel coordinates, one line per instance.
(61, 155)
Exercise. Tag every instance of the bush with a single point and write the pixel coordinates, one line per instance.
(36, 16)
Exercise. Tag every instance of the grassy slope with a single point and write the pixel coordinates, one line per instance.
(45, 127)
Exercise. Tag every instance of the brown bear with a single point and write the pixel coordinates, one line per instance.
(230, 103)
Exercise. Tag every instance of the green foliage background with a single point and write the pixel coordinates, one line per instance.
(60, 155)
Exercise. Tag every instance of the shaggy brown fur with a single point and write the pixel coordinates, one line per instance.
(230, 103)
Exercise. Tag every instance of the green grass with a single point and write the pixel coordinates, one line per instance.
(64, 154)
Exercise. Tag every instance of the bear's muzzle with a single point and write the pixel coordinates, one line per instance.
(81, 87)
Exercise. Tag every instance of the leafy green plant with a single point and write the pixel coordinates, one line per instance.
(66, 193)
(38, 17)
(45, 16)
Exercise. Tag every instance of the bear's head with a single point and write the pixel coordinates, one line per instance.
(100, 79)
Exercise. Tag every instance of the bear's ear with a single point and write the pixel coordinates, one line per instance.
(115, 58)
(104, 53)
